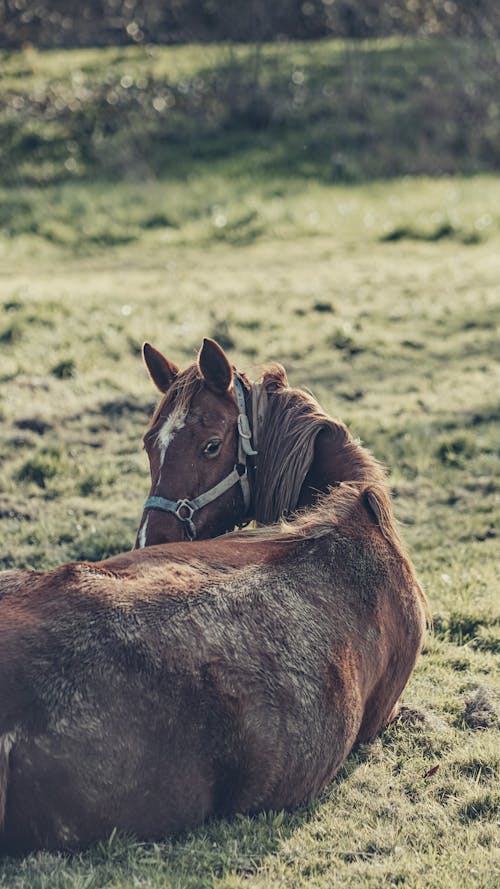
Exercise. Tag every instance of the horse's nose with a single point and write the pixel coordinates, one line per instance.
(156, 528)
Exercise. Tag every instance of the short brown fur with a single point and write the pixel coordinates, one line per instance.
(177, 682)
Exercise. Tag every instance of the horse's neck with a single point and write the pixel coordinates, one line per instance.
(337, 458)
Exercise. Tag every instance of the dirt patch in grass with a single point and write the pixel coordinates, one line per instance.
(482, 709)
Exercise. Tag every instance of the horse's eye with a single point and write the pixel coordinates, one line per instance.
(212, 448)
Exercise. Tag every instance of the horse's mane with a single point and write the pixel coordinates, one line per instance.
(286, 449)
(331, 509)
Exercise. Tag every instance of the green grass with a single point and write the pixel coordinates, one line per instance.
(398, 338)
(383, 299)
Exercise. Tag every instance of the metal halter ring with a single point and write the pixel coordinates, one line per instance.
(185, 505)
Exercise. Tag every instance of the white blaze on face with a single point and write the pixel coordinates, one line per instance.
(174, 423)
(142, 533)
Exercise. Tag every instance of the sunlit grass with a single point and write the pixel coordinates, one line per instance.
(381, 298)
(397, 338)
(216, 206)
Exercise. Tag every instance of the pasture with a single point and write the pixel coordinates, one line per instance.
(381, 298)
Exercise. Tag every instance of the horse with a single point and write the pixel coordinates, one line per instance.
(223, 450)
(150, 691)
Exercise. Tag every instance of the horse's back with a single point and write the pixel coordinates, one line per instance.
(147, 703)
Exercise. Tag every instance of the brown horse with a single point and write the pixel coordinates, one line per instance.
(212, 469)
(165, 685)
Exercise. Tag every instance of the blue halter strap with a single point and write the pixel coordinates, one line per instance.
(185, 509)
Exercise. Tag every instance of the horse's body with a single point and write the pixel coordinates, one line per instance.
(162, 686)
(157, 688)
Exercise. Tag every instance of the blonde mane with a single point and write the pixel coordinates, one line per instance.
(286, 450)
(332, 509)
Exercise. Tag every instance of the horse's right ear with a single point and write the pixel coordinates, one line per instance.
(214, 366)
(275, 378)
(161, 370)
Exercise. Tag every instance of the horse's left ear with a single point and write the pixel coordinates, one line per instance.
(161, 370)
(214, 366)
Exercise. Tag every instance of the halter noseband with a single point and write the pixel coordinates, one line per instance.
(185, 509)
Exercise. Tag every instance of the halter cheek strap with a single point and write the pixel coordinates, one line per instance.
(244, 446)
(184, 509)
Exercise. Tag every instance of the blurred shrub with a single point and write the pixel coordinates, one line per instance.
(43, 466)
(343, 112)
(64, 370)
(53, 23)
(456, 450)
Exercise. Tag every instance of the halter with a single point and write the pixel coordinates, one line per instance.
(185, 509)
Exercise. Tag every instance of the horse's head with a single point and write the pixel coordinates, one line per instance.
(205, 474)
(199, 449)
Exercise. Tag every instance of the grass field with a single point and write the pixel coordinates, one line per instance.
(383, 299)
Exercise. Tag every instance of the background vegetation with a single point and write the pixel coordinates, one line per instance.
(170, 193)
(52, 23)
(333, 111)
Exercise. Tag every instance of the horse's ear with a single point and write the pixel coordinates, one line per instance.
(161, 370)
(275, 378)
(214, 366)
